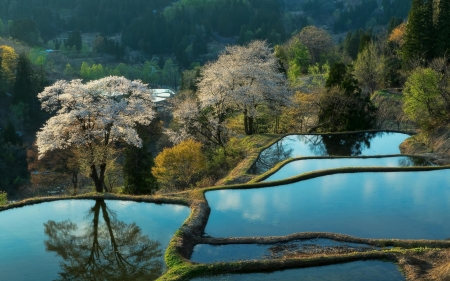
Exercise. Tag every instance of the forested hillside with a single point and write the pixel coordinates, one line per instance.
(334, 57)
(185, 27)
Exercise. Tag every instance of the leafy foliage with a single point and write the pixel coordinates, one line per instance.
(341, 105)
(3, 198)
(420, 31)
(368, 68)
(426, 97)
(181, 166)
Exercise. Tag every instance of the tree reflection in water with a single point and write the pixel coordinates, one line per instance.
(103, 250)
(347, 144)
(413, 161)
(342, 144)
(270, 157)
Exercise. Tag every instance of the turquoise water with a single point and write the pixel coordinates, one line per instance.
(406, 205)
(72, 237)
(298, 167)
(351, 144)
(353, 271)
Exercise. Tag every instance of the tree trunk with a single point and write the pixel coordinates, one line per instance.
(98, 182)
(246, 123)
(75, 182)
(250, 125)
(102, 176)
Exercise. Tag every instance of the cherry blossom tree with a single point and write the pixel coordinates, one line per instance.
(243, 78)
(203, 124)
(94, 117)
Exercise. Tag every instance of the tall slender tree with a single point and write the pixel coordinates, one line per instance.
(26, 89)
(420, 31)
(443, 29)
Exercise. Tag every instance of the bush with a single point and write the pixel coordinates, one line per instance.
(181, 166)
(3, 198)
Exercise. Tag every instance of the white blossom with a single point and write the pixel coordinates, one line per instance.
(100, 112)
(243, 78)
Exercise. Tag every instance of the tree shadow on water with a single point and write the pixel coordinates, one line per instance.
(106, 249)
(352, 144)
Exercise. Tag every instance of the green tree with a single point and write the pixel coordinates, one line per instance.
(85, 71)
(443, 29)
(24, 30)
(10, 135)
(364, 40)
(426, 97)
(74, 40)
(295, 56)
(9, 59)
(3, 198)
(420, 32)
(341, 105)
(25, 91)
(351, 43)
(23, 84)
(69, 70)
(2, 28)
(138, 163)
(368, 68)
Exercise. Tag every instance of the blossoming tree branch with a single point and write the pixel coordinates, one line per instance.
(94, 117)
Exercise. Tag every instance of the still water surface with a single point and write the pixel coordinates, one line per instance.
(298, 167)
(349, 144)
(353, 271)
(405, 205)
(87, 240)
(205, 253)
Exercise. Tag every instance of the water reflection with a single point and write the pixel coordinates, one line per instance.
(276, 153)
(301, 166)
(405, 205)
(344, 144)
(352, 271)
(348, 144)
(205, 253)
(105, 249)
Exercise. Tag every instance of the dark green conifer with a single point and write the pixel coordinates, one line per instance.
(443, 29)
(419, 37)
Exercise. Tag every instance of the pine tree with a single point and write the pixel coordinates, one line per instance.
(419, 37)
(23, 84)
(138, 163)
(25, 90)
(443, 29)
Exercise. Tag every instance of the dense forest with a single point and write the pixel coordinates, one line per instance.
(338, 66)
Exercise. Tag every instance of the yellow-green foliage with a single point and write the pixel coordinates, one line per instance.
(3, 198)
(423, 99)
(9, 59)
(181, 165)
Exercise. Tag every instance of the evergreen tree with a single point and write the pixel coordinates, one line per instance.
(393, 23)
(351, 43)
(10, 135)
(364, 41)
(25, 90)
(74, 39)
(138, 177)
(2, 84)
(341, 105)
(419, 37)
(23, 84)
(443, 29)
